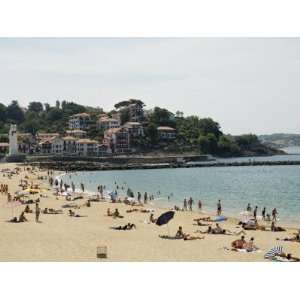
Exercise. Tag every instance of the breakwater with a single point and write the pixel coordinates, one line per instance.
(97, 166)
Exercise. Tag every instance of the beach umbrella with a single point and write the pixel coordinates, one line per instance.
(277, 250)
(165, 218)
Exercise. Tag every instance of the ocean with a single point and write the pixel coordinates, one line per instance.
(269, 186)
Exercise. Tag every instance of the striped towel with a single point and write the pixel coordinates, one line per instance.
(273, 252)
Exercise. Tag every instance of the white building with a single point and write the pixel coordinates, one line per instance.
(87, 147)
(108, 123)
(135, 129)
(76, 133)
(57, 145)
(79, 121)
(166, 133)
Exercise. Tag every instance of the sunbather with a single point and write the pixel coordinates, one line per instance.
(152, 219)
(73, 214)
(188, 237)
(22, 217)
(116, 214)
(276, 228)
(239, 244)
(27, 209)
(292, 239)
(128, 226)
(219, 230)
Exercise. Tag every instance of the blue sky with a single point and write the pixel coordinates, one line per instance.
(247, 85)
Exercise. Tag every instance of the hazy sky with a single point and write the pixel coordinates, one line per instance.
(247, 85)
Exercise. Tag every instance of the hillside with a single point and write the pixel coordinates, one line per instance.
(193, 134)
(281, 140)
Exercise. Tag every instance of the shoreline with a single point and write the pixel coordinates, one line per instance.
(165, 205)
(62, 238)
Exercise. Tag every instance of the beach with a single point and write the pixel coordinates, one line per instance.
(63, 238)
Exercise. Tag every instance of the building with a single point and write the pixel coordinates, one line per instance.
(69, 146)
(45, 147)
(79, 121)
(117, 140)
(102, 150)
(107, 123)
(76, 133)
(44, 136)
(166, 133)
(87, 147)
(135, 129)
(57, 145)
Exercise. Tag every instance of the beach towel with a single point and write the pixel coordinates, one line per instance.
(219, 219)
(277, 250)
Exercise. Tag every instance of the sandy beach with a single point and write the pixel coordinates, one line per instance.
(63, 238)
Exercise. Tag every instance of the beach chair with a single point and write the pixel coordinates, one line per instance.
(102, 252)
(277, 250)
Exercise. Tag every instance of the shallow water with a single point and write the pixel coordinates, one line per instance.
(270, 186)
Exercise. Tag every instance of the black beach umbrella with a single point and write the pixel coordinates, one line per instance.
(165, 218)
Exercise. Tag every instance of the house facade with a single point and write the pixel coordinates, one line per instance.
(117, 140)
(135, 129)
(87, 147)
(79, 121)
(166, 133)
(107, 123)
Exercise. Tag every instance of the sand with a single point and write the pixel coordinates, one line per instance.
(62, 238)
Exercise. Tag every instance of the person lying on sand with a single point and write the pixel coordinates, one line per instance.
(289, 257)
(13, 220)
(52, 211)
(292, 239)
(276, 228)
(188, 237)
(73, 214)
(199, 223)
(132, 210)
(185, 236)
(206, 219)
(70, 206)
(128, 226)
(252, 225)
(219, 230)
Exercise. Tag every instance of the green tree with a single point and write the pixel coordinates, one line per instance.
(35, 107)
(14, 112)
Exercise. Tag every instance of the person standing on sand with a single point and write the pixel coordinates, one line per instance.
(255, 212)
(145, 198)
(184, 204)
(263, 213)
(219, 208)
(200, 205)
(191, 201)
(82, 187)
(139, 196)
(37, 212)
(274, 214)
(73, 187)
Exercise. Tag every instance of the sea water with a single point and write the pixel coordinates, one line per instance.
(264, 186)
